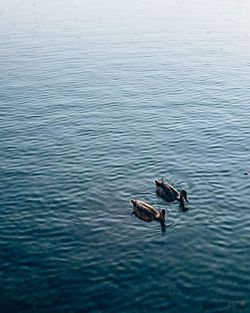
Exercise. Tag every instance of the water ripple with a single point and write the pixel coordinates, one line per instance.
(95, 104)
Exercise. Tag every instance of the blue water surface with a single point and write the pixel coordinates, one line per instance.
(97, 99)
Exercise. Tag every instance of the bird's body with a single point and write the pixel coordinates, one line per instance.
(147, 212)
(169, 193)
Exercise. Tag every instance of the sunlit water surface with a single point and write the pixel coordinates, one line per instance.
(97, 99)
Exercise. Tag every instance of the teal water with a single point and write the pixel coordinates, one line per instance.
(97, 99)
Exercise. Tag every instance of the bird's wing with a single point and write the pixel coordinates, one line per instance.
(173, 190)
(143, 216)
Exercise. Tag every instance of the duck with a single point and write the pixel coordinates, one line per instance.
(169, 193)
(147, 212)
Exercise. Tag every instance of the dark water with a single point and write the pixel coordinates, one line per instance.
(97, 99)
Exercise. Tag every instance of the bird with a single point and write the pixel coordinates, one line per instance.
(148, 213)
(169, 193)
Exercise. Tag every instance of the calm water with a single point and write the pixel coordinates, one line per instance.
(97, 99)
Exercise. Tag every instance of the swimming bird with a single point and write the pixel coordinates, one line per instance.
(169, 193)
(147, 212)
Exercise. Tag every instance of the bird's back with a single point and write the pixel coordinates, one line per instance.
(168, 196)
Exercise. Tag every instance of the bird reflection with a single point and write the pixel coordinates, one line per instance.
(184, 209)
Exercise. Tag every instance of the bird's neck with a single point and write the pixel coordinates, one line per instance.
(181, 199)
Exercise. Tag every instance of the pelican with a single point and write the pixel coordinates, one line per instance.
(147, 212)
(169, 193)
